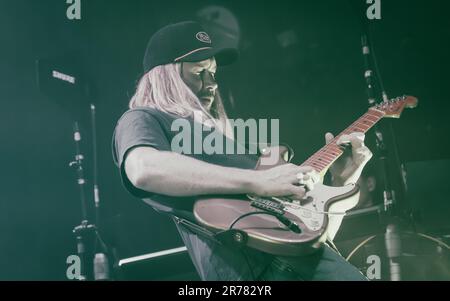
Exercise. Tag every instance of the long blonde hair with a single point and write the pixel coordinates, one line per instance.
(163, 88)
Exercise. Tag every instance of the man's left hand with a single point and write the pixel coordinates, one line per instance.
(347, 169)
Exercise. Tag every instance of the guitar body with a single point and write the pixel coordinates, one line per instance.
(266, 232)
(316, 217)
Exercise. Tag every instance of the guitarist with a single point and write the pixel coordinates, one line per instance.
(180, 65)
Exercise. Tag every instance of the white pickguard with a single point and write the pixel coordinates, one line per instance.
(312, 213)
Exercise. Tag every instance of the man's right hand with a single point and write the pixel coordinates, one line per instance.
(282, 180)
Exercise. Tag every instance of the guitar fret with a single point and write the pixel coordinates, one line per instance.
(372, 117)
(366, 122)
(356, 129)
(312, 161)
(315, 166)
(330, 153)
(366, 115)
(348, 131)
(363, 126)
(359, 124)
(322, 161)
(377, 112)
(318, 165)
(335, 149)
(329, 160)
(323, 158)
(333, 155)
(328, 156)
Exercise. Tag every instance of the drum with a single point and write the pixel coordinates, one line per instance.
(413, 256)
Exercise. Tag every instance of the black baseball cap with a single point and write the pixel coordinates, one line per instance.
(184, 42)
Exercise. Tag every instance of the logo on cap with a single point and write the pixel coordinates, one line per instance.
(203, 37)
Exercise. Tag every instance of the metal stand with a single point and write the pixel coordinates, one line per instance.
(392, 234)
(81, 231)
(101, 262)
(87, 229)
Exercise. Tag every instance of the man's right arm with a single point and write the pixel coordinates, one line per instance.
(173, 174)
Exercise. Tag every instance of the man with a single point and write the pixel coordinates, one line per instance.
(180, 65)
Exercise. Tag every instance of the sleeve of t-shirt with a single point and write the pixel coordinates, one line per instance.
(136, 128)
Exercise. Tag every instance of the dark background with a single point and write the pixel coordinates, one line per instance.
(313, 86)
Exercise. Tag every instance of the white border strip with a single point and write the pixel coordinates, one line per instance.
(152, 255)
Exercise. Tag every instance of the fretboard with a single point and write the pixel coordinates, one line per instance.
(324, 157)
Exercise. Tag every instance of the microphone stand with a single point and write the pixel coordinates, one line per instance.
(100, 262)
(392, 234)
(82, 230)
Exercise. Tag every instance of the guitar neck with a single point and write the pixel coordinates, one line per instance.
(323, 158)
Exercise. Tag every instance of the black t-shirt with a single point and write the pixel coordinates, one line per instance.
(150, 127)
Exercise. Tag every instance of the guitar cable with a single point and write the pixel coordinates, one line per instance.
(284, 220)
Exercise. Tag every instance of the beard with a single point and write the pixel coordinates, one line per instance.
(207, 100)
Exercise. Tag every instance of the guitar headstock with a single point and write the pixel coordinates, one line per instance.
(395, 106)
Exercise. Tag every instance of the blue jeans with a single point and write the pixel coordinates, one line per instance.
(324, 265)
(219, 262)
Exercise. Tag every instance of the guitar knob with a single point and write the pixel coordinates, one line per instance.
(238, 237)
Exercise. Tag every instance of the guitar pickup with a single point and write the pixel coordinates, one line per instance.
(268, 205)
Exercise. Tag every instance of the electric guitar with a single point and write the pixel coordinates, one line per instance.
(283, 226)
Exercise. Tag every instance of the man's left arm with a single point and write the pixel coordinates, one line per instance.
(347, 169)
